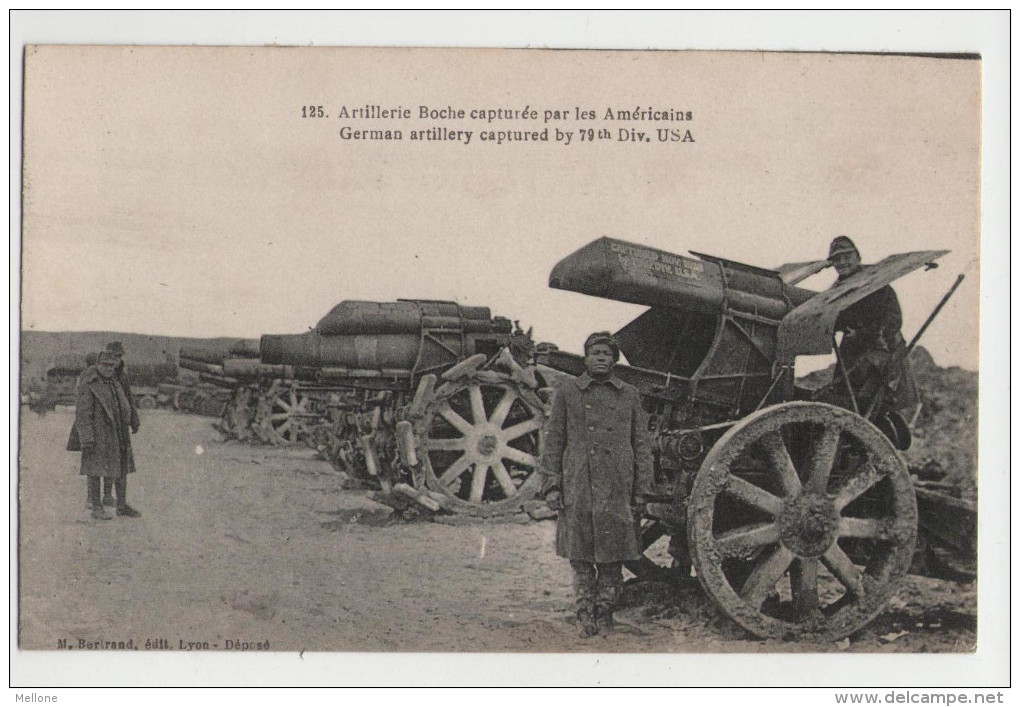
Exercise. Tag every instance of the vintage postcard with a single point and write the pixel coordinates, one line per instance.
(360, 407)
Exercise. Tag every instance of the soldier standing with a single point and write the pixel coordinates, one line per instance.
(597, 469)
(102, 418)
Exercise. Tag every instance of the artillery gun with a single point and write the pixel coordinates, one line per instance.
(797, 516)
(230, 369)
(421, 398)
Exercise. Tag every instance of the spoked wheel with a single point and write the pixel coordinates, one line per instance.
(283, 415)
(478, 443)
(802, 522)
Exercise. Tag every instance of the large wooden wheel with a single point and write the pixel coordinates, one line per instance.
(478, 444)
(283, 415)
(802, 522)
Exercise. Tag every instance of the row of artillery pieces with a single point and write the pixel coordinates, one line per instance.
(423, 401)
(792, 507)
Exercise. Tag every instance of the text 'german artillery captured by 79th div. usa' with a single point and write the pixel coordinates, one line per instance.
(792, 507)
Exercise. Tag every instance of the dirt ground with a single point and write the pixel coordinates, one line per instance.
(259, 544)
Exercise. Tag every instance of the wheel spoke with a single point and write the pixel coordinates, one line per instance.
(843, 568)
(477, 404)
(521, 429)
(874, 528)
(823, 457)
(458, 444)
(478, 482)
(752, 495)
(764, 576)
(856, 486)
(502, 408)
(455, 470)
(454, 419)
(804, 585)
(519, 457)
(779, 457)
(740, 542)
(503, 477)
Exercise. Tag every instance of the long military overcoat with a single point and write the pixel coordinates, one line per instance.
(102, 415)
(596, 451)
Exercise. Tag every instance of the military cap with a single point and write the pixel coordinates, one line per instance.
(108, 357)
(603, 337)
(842, 244)
(115, 347)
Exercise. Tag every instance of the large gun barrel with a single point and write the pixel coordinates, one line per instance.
(242, 348)
(391, 338)
(313, 350)
(626, 272)
(404, 317)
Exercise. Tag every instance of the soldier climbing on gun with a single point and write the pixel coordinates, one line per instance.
(872, 342)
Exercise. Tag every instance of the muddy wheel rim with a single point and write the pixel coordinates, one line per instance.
(802, 522)
(478, 443)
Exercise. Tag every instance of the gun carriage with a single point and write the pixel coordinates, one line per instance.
(797, 516)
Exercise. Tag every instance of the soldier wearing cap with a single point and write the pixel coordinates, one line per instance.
(102, 419)
(870, 327)
(597, 471)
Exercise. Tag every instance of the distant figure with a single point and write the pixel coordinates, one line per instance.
(102, 420)
(870, 327)
(597, 465)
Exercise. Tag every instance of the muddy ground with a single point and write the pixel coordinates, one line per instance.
(259, 544)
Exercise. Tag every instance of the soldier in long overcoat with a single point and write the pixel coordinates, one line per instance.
(597, 468)
(101, 432)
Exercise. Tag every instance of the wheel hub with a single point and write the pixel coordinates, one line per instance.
(487, 444)
(808, 525)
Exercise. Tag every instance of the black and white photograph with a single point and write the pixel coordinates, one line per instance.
(516, 353)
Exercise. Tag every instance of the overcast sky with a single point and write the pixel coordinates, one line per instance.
(178, 191)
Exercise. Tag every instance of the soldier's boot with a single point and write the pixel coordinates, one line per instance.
(586, 620)
(585, 591)
(93, 488)
(123, 509)
(604, 617)
(607, 593)
(108, 499)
